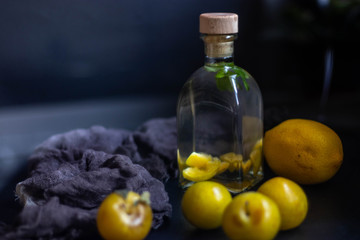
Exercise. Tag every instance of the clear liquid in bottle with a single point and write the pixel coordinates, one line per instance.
(220, 120)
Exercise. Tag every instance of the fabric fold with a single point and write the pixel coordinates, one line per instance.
(71, 173)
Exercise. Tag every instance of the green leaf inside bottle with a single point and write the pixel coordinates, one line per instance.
(228, 75)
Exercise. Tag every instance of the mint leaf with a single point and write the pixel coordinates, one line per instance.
(211, 69)
(246, 85)
(222, 83)
(220, 74)
(226, 73)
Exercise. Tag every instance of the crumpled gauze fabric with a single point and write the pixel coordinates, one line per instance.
(71, 173)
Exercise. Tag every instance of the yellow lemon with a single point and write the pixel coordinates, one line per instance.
(290, 198)
(305, 151)
(203, 204)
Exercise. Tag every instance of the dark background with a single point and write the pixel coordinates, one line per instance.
(55, 51)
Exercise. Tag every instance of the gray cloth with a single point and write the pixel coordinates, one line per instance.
(71, 173)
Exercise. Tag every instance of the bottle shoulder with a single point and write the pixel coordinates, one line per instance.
(212, 86)
(222, 78)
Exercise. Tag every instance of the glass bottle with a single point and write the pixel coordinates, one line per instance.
(220, 114)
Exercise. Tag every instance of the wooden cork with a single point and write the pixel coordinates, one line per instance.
(218, 23)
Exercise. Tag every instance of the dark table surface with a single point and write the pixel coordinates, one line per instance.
(334, 207)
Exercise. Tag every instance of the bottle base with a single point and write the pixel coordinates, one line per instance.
(234, 187)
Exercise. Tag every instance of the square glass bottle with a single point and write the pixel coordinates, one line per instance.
(220, 114)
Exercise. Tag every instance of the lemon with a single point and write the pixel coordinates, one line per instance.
(305, 151)
(203, 204)
(290, 198)
(201, 167)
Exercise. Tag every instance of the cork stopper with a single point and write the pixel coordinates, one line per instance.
(218, 23)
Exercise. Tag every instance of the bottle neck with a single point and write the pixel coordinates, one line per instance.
(219, 48)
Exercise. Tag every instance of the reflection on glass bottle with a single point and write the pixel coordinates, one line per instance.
(220, 114)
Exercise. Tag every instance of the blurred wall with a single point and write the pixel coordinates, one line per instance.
(64, 50)
(71, 50)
